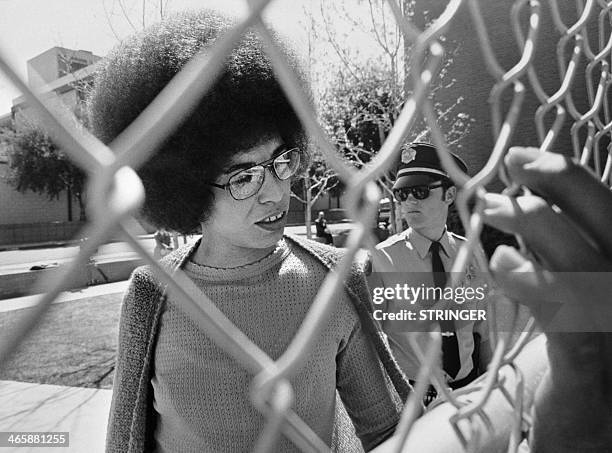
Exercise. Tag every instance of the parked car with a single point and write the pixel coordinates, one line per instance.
(384, 211)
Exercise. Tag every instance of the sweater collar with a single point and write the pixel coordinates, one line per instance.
(257, 268)
(328, 256)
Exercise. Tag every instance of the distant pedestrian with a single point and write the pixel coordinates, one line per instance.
(322, 229)
(163, 244)
(381, 232)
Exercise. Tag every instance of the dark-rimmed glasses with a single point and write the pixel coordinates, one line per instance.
(418, 192)
(247, 183)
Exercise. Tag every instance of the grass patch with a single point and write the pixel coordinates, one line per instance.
(74, 345)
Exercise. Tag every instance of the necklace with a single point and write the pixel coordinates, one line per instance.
(278, 246)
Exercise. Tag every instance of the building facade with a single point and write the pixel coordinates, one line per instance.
(62, 76)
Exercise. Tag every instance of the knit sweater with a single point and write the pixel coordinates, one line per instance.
(206, 408)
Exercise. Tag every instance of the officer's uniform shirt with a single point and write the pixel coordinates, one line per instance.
(408, 255)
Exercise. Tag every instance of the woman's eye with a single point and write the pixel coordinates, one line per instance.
(243, 178)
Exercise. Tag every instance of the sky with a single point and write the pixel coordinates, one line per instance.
(30, 27)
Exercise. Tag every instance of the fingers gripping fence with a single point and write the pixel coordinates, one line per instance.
(117, 192)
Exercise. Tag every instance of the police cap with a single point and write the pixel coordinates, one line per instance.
(420, 165)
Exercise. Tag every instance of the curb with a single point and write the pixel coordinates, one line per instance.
(49, 244)
(23, 283)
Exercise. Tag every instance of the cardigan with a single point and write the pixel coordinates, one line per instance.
(131, 416)
(202, 393)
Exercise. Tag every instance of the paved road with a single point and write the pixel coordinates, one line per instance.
(47, 255)
(62, 253)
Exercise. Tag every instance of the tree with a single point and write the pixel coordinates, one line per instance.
(39, 165)
(357, 114)
(360, 99)
(317, 180)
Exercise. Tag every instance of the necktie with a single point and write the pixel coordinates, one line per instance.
(450, 347)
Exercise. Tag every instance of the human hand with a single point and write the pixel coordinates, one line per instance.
(566, 228)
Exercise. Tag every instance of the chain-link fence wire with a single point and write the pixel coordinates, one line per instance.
(117, 194)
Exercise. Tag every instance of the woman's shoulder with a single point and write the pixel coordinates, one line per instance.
(143, 285)
(177, 258)
(329, 256)
(143, 276)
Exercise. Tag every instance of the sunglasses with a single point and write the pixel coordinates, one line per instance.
(247, 183)
(418, 192)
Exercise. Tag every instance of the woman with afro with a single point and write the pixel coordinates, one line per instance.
(227, 170)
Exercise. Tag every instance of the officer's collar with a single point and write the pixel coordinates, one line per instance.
(422, 244)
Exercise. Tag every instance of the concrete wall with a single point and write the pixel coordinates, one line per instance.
(43, 68)
(53, 64)
(17, 234)
(63, 100)
(29, 207)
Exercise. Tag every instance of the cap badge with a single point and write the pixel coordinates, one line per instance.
(408, 155)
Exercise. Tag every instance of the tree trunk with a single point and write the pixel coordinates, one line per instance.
(69, 201)
(82, 216)
(407, 51)
(392, 217)
(307, 206)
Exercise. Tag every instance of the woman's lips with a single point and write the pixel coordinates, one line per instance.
(273, 222)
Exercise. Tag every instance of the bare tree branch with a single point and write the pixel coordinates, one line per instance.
(109, 22)
(126, 15)
(341, 53)
(297, 197)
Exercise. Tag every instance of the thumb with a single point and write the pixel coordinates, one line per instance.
(509, 259)
(518, 277)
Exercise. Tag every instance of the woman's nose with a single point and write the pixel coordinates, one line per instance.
(272, 189)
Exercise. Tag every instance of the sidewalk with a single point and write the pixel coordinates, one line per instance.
(30, 407)
(81, 412)
(67, 296)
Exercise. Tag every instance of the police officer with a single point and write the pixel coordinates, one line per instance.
(421, 257)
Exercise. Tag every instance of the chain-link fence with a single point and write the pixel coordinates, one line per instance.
(116, 192)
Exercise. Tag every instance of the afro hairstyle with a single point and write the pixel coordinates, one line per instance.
(244, 107)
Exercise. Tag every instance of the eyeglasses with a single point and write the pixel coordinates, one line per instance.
(247, 183)
(418, 192)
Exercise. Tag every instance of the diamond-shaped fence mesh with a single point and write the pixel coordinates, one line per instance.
(116, 192)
